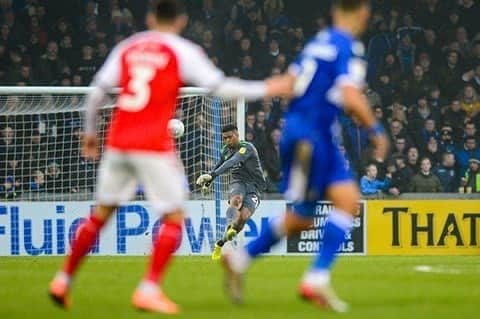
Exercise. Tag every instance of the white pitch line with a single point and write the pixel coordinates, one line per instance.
(438, 269)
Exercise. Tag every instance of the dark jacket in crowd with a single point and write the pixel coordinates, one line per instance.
(422, 183)
(448, 178)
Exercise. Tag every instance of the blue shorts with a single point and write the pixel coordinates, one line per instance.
(327, 167)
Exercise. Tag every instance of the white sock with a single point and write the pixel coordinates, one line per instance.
(317, 277)
(148, 286)
(240, 260)
(341, 219)
(63, 276)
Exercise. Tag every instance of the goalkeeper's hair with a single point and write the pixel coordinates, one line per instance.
(167, 10)
(229, 128)
(349, 5)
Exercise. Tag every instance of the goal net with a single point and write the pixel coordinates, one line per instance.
(40, 158)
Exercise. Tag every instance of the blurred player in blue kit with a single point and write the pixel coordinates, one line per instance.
(326, 79)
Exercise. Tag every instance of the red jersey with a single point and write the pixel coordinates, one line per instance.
(150, 67)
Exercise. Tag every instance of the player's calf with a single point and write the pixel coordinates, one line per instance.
(233, 280)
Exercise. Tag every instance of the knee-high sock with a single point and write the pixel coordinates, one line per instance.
(336, 227)
(230, 215)
(85, 237)
(167, 241)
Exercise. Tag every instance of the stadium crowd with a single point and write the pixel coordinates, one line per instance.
(423, 83)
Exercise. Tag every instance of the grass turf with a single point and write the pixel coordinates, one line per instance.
(376, 287)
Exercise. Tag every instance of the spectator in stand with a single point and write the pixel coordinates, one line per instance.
(273, 10)
(260, 133)
(266, 106)
(35, 152)
(380, 115)
(14, 66)
(418, 84)
(463, 41)
(372, 96)
(473, 62)
(425, 181)
(436, 100)
(250, 127)
(370, 185)
(433, 152)
(450, 75)
(470, 130)
(406, 53)
(87, 66)
(431, 14)
(402, 175)
(463, 155)
(37, 183)
(271, 162)
(447, 144)
(391, 67)
(426, 64)
(429, 132)
(447, 31)
(398, 112)
(454, 116)
(469, 12)
(54, 181)
(471, 179)
(470, 102)
(446, 173)
(8, 144)
(396, 130)
(7, 188)
(369, 156)
(50, 65)
(412, 159)
(378, 47)
(472, 77)
(385, 88)
(391, 170)
(399, 146)
(418, 115)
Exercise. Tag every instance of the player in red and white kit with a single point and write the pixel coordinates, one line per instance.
(149, 67)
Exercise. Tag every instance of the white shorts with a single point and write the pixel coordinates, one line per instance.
(161, 175)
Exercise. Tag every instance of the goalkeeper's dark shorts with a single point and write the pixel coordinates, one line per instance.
(250, 194)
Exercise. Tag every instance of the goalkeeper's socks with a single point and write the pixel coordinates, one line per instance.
(270, 235)
(337, 226)
(86, 236)
(168, 239)
(229, 234)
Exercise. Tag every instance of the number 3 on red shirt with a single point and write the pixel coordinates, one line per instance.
(138, 88)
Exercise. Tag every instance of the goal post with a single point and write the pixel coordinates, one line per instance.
(41, 127)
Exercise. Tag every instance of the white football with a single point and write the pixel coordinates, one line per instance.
(176, 128)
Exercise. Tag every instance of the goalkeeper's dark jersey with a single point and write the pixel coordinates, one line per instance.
(244, 163)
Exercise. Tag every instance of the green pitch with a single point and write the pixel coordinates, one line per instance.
(376, 287)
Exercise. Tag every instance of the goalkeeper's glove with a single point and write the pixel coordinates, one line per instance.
(204, 179)
(206, 189)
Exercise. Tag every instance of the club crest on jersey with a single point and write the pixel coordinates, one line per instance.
(242, 150)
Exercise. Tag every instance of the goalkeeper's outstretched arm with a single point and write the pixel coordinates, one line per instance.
(228, 164)
(222, 166)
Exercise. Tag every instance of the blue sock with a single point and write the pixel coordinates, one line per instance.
(336, 227)
(269, 236)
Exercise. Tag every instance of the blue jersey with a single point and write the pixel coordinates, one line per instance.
(330, 60)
